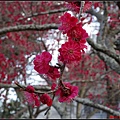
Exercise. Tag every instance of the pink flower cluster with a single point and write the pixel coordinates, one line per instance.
(72, 50)
(31, 97)
(34, 99)
(66, 93)
(42, 66)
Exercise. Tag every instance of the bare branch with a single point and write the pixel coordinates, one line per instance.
(96, 14)
(82, 81)
(81, 9)
(104, 50)
(110, 62)
(46, 12)
(37, 87)
(19, 112)
(98, 106)
(39, 111)
(28, 27)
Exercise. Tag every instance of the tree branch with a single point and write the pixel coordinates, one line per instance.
(98, 106)
(37, 87)
(43, 13)
(82, 81)
(110, 62)
(104, 50)
(96, 14)
(28, 27)
(19, 113)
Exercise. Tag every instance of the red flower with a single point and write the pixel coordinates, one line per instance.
(77, 33)
(66, 95)
(70, 52)
(32, 99)
(53, 73)
(41, 62)
(45, 99)
(30, 89)
(42, 66)
(68, 22)
(53, 86)
(47, 56)
(82, 45)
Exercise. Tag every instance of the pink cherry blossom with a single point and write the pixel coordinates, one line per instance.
(46, 99)
(30, 89)
(66, 94)
(32, 99)
(69, 94)
(70, 52)
(77, 33)
(53, 73)
(68, 22)
(41, 62)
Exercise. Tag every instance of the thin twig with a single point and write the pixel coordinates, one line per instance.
(81, 9)
(37, 92)
(50, 106)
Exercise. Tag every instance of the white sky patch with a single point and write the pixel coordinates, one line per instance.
(11, 95)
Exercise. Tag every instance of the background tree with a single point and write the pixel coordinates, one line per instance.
(28, 28)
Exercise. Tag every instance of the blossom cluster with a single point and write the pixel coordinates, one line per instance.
(66, 93)
(42, 66)
(34, 99)
(69, 52)
(72, 50)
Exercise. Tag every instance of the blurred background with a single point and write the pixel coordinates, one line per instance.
(22, 38)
